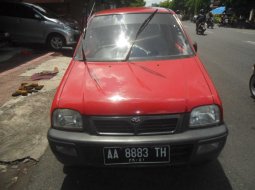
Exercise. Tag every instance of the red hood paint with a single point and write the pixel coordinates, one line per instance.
(135, 88)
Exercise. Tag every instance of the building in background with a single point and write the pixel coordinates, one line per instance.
(215, 4)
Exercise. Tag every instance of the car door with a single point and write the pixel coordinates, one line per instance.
(9, 20)
(31, 24)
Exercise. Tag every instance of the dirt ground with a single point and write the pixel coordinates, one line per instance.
(11, 70)
(24, 120)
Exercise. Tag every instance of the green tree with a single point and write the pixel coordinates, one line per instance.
(241, 7)
(128, 3)
(155, 5)
(166, 4)
(137, 3)
(178, 5)
(195, 5)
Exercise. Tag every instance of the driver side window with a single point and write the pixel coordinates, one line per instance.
(25, 12)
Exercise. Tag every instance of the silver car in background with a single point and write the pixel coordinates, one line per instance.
(29, 23)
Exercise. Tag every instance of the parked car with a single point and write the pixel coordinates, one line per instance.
(29, 23)
(136, 93)
(4, 38)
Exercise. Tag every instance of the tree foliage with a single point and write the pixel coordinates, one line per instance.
(187, 6)
(137, 3)
(155, 5)
(239, 7)
(165, 4)
(178, 5)
(196, 5)
(193, 6)
(239, 3)
(128, 3)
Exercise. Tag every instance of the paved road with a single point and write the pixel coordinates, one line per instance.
(228, 55)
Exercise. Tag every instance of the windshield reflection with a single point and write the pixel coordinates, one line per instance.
(122, 41)
(109, 38)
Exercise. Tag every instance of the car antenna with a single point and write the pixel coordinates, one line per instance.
(84, 32)
(91, 11)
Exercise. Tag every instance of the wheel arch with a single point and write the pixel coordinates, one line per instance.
(52, 34)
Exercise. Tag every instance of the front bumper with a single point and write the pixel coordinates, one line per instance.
(192, 146)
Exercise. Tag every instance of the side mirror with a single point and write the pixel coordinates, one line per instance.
(195, 46)
(38, 17)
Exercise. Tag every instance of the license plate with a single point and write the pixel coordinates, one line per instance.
(136, 155)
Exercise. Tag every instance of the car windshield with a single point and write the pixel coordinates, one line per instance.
(45, 12)
(109, 38)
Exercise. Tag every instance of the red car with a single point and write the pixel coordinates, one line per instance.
(136, 93)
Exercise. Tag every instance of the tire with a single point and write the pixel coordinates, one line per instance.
(252, 86)
(56, 42)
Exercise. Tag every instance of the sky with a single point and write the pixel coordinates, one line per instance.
(149, 2)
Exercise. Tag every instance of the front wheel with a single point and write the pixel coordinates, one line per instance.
(56, 41)
(252, 85)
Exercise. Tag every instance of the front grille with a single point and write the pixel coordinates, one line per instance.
(126, 125)
(113, 126)
(158, 125)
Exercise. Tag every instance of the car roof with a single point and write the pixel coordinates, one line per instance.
(127, 10)
(19, 3)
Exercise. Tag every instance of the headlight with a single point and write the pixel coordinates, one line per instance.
(204, 116)
(65, 26)
(66, 119)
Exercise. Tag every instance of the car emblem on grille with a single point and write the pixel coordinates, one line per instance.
(135, 120)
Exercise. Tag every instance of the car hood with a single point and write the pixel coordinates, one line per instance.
(148, 87)
(69, 22)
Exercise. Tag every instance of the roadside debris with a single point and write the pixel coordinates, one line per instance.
(13, 164)
(25, 120)
(45, 74)
(26, 88)
(3, 168)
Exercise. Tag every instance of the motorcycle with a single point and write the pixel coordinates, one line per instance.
(224, 22)
(252, 83)
(210, 23)
(201, 28)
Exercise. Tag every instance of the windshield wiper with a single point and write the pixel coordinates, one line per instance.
(82, 47)
(142, 27)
